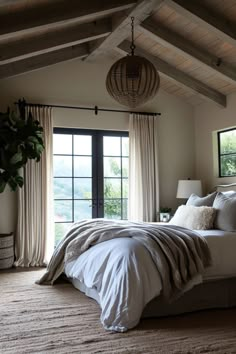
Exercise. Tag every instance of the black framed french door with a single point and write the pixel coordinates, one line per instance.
(90, 176)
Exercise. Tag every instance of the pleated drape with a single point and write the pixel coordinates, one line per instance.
(34, 239)
(143, 168)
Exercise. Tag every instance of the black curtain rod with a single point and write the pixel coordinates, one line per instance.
(95, 109)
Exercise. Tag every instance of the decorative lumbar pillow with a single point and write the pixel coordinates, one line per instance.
(195, 218)
(225, 206)
(195, 200)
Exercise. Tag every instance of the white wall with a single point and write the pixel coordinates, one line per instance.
(8, 209)
(83, 84)
(208, 119)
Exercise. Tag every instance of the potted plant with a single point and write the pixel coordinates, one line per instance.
(165, 214)
(20, 140)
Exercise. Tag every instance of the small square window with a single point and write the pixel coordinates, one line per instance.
(227, 153)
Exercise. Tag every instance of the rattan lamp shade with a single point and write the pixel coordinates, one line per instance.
(132, 81)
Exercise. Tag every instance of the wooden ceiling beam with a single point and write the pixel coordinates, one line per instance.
(48, 41)
(179, 77)
(28, 18)
(8, 2)
(122, 27)
(206, 18)
(43, 60)
(181, 45)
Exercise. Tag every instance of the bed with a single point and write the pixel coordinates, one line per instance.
(126, 279)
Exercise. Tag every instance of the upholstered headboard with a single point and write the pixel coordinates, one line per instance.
(225, 187)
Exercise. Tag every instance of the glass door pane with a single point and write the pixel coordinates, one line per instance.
(73, 180)
(82, 163)
(115, 177)
(90, 176)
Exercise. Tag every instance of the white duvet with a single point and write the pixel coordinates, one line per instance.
(121, 275)
(124, 276)
(222, 245)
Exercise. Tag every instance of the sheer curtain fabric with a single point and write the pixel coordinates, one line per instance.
(143, 168)
(34, 234)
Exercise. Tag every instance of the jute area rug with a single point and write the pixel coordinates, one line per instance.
(60, 319)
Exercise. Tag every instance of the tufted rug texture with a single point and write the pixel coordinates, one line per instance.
(59, 319)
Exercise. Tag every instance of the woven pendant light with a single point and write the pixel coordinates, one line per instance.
(132, 80)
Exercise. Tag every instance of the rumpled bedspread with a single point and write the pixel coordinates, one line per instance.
(179, 254)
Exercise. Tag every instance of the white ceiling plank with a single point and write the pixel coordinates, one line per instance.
(206, 18)
(122, 27)
(181, 45)
(43, 60)
(178, 76)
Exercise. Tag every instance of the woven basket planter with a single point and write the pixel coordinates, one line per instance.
(6, 250)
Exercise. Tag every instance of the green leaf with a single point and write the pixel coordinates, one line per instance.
(30, 119)
(39, 148)
(16, 158)
(19, 181)
(13, 183)
(20, 139)
(39, 134)
(2, 184)
(32, 139)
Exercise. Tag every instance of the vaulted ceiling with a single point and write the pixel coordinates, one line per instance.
(192, 43)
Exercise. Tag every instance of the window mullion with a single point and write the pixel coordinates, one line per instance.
(100, 176)
(73, 181)
(94, 177)
(121, 178)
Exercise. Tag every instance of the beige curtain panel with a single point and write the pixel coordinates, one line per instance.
(143, 168)
(34, 235)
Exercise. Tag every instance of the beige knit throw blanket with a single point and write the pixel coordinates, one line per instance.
(179, 254)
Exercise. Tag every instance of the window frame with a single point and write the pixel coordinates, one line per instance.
(220, 154)
(97, 199)
(101, 134)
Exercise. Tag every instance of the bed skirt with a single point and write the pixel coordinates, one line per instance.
(207, 295)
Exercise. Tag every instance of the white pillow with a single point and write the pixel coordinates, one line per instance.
(195, 218)
(229, 193)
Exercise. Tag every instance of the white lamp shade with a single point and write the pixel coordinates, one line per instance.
(187, 187)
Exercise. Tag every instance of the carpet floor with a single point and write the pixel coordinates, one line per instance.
(60, 319)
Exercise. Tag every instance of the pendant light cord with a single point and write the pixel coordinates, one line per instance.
(132, 46)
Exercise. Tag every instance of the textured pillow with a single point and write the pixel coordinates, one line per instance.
(195, 218)
(229, 193)
(195, 200)
(225, 206)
